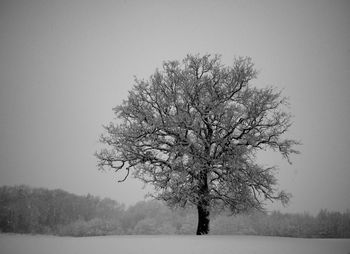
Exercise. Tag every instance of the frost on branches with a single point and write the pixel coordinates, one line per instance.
(192, 131)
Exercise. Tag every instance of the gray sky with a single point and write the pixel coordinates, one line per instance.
(65, 64)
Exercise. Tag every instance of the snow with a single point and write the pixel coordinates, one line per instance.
(31, 244)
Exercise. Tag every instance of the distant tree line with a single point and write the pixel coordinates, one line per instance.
(41, 211)
(33, 210)
(324, 225)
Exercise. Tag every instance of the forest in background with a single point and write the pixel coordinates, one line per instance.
(41, 211)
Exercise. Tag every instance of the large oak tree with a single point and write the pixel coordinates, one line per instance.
(193, 129)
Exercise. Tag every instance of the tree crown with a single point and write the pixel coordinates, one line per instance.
(199, 123)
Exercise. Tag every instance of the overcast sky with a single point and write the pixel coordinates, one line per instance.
(65, 64)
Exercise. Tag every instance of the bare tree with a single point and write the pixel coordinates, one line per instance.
(192, 131)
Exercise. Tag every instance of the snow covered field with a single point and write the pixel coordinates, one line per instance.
(28, 244)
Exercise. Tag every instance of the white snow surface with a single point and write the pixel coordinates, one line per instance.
(37, 244)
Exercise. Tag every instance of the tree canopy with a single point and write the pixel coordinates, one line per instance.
(193, 129)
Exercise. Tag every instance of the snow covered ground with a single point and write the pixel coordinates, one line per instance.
(30, 244)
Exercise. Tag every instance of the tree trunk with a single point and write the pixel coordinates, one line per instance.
(203, 218)
(203, 205)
